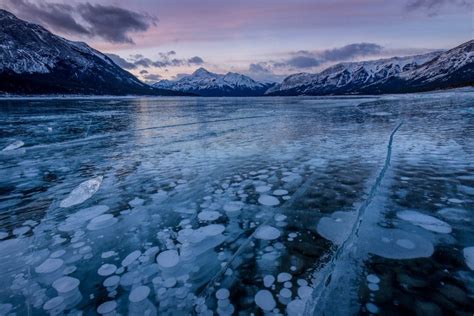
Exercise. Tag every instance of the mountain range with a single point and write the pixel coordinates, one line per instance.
(205, 83)
(433, 71)
(35, 61)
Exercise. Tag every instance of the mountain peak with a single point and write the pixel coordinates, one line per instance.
(5, 13)
(201, 71)
(206, 83)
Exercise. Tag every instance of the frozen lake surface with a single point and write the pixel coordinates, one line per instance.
(294, 206)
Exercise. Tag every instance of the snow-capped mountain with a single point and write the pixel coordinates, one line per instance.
(437, 70)
(450, 69)
(35, 61)
(205, 83)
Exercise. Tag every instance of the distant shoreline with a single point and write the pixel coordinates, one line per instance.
(105, 97)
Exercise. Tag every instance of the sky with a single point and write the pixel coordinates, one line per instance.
(265, 39)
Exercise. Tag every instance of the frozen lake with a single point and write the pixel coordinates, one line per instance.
(204, 206)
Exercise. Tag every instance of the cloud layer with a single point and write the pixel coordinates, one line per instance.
(304, 59)
(310, 59)
(165, 60)
(111, 23)
(307, 60)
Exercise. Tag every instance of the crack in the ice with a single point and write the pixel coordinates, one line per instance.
(347, 244)
(122, 134)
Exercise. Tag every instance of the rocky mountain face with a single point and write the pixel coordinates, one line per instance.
(35, 61)
(205, 83)
(438, 70)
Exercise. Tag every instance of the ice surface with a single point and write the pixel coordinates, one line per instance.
(107, 307)
(209, 216)
(56, 303)
(285, 293)
(304, 292)
(65, 284)
(296, 308)
(83, 192)
(268, 280)
(283, 277)
(372, 308)
(454, 214)
(372, 278)
(107, 269)
(203, 198)
(469, 257)
(267, 233)
(101, 222)
(222, 294)
(111, 281)
(264, 299)
(398, 244)
(130, 258)
(268, 200)
(15, 145)
(139, 293)
(263, 188)
(280, 192)
(337, 227)
(168, 258)
(427, 222)
(49, 265)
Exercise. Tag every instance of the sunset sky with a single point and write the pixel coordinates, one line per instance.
(266, 39)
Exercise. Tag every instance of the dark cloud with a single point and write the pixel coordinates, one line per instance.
(152, 77)
(121, 61)
(262, 72)
(433, 4)
(303, 62)
(259, 68)
(55, 15)
(143, 72)
(164, 61)
(111, 23)
(308, 59)
(196, 60)
(351, 51)
(143, 62)
(179, 76)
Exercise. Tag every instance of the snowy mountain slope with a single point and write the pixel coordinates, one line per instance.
(350, 77)
(205, 83)
(450, 69)
(430, 71)
(35, 61)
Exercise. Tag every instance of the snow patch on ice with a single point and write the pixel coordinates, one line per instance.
(15, 145)
(83, 192)
(469, 257)
(427, 222)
